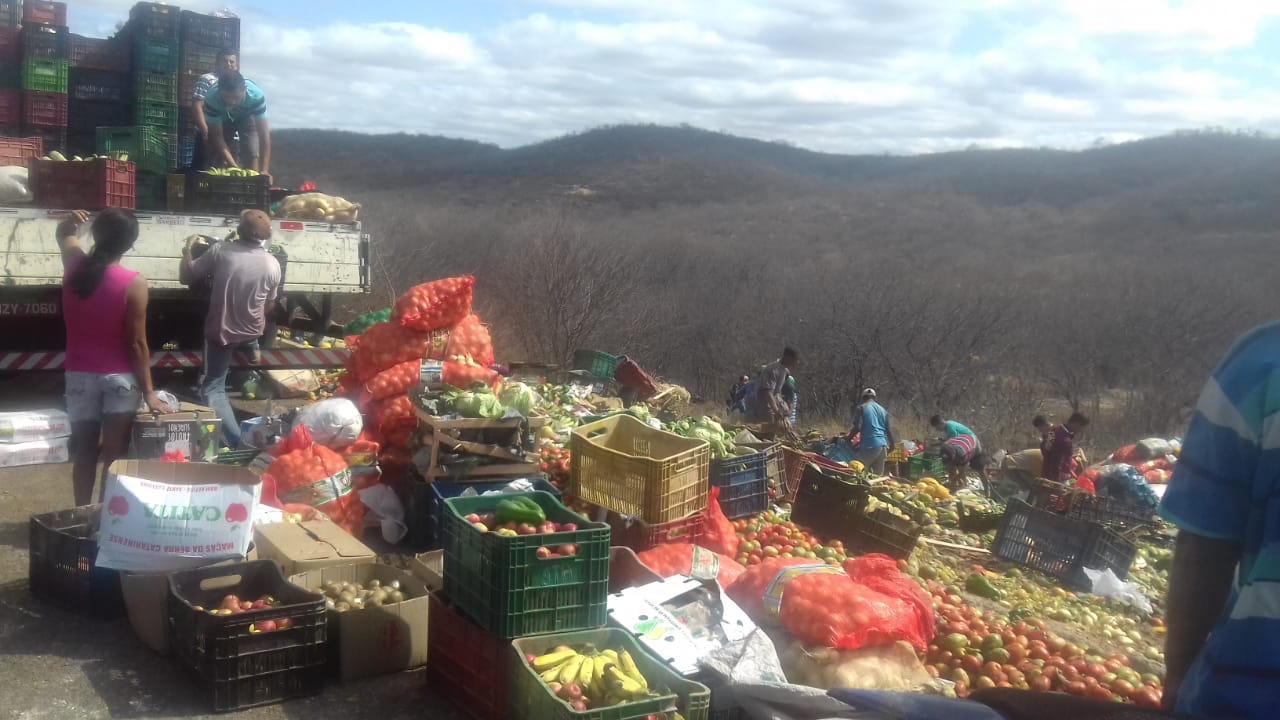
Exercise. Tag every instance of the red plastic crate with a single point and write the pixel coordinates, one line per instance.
(10, 108)
(44, 109)
(465, 664)
(87, 185)
(42, 12)
(642, 536)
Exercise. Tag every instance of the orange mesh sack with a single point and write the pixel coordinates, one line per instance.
(312, 475)
(393, 420)
(833, 611)
(395, 380)
(388, 344)
(461, 375)
(435, 305)
(470, 338)
(691, 560)
(749, 590)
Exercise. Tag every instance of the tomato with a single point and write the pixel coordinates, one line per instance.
(1041, 684)
(1094, 670)
(1017, 651)
(1098, 692)
(1146, 697)
(971, 663)
(1123, 688)
(984, 683)
(1075, 687)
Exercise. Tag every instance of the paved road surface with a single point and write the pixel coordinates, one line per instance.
(60, 666)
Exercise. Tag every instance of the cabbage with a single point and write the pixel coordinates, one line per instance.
(519, 397)
(478, 402)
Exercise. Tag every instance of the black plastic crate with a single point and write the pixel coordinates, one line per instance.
(10, 13)
(84, 117)
(46, 41)
(880, 532)
(53, 138)
(99, 86)
(198, 59)
(826, 498)
(1060, 546)
(221, 33)
(99, 54)
(235, 666)
(61, 564)
(154, 20)
(227, 195)
(155, 55)
(1110, 512)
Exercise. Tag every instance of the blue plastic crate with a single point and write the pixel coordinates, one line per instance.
(186, 152)
(741, 469)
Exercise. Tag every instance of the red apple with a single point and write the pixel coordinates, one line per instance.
(526, 529)
(267, 626)
(542, 553)
(547, 528)
(568, 527)
(567, 550)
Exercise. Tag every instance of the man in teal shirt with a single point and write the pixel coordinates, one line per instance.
(950, 427)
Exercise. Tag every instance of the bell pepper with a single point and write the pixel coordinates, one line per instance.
(979, 585)
(520, 510)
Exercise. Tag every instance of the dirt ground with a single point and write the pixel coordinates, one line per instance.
(58, 665)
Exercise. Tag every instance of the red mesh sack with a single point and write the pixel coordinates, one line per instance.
(387, 344)
(680, 558)
(435, 305)
(833, 611)
(880, 573)
(461, 375)
(305, 473)
(1128, 454)
(718, 534)
(748, 591)
(470, 338)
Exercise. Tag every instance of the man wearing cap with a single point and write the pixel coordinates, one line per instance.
(246, 281)
(871, 422)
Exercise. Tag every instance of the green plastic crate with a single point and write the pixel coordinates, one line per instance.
(506, 589)
(146, 147)
(925, 465)
(152, 192)
(156, 55)
(45, 75)
(155, 87)
(530, 698)
(600, 364)
(159, 115)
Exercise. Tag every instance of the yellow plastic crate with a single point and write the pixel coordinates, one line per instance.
(897, 455)
(623, 465)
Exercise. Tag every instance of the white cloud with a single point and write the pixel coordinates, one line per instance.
(841, 75)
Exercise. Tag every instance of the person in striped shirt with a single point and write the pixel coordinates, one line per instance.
(239, 102)
(1222, 653)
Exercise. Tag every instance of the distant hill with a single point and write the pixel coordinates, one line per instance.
(644, 166)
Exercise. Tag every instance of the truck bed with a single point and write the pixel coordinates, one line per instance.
(323, 258)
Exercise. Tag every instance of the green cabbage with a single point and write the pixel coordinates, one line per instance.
(477, 402)
(519, 397)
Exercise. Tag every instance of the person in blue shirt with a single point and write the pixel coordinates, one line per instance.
(950, 428)
(871, 421)
(1222, 651)
(235, 100)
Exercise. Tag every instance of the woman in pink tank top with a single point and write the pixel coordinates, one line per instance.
(108, 365)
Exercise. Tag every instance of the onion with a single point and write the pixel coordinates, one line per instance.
(394, 584)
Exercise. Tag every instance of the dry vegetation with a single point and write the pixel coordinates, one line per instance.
(983, 285)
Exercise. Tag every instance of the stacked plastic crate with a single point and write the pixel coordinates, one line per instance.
(99, 91)
(153, 32)
(203, 38)
(45, 51)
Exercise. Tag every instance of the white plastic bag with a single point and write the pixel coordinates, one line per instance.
(1106, 584)
(383, 503)
(334, 423)
(13, 185)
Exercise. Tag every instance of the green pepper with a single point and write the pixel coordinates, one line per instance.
(979, 585)
(520, 510)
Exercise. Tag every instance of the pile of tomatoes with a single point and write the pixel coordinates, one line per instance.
(978, 650)
(554, 461)
(763, 536)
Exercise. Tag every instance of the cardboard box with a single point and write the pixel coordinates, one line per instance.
(310, 545)
(37, 452)
(163, 516)
(429, 568)
(675, 619)
(33, 425)
(146, 601)
(194, 431)
(375, 641)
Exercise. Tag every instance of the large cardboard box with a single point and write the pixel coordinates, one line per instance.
(164, 516)
(36, 452)
(310, 545)
(376, 640)
(429, 568)
(193, 430)
(146, 601)
(33, 425)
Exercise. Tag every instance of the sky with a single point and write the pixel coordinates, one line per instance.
(847, 76)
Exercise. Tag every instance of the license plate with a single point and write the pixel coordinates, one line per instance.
(50, 308)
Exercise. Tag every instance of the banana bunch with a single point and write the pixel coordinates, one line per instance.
(231, 172)
(591, 678)
(59, 157)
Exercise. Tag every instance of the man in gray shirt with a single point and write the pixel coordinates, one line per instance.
(246, 281)
(766, 406)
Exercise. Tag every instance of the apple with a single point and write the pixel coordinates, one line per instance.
(542, 553)
(526, 529)
(547, 528)
(568, 527)
(567, 550)
(268, 626)
(472, 518)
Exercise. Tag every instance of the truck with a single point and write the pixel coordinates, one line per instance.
(322, 263)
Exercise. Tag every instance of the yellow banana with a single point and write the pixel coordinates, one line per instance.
(611, 655)
(621, 683)
(569, 672)
(550, 676)
(586, 673)
(553, 659)
(628, 666)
